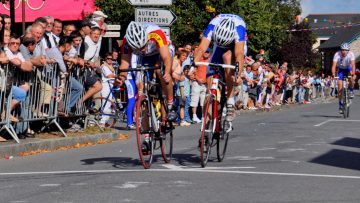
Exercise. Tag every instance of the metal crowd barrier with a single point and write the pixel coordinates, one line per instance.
(5, 101)
(41, 101)
(80, 110)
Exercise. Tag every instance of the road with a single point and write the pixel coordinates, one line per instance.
(305, 153)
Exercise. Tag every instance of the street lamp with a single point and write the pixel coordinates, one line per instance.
(27, 2)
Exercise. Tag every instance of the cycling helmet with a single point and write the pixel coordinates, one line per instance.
(136, 36)
(345, 46)
(224, 32)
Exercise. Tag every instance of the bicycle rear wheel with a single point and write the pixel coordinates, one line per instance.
(207, 127)
(107, 116)
(144, 132)
(222, 140)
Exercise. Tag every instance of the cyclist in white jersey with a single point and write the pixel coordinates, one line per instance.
(344, 62)
(152, 47)
(228, 33)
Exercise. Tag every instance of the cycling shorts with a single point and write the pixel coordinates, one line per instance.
(344, 72)
(216, 57)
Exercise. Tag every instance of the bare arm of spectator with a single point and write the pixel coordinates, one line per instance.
(24, 66)
(3, 58)
(38, 60)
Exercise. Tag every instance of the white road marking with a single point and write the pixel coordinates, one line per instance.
(335, 120)
(50, 185)
(131, 185)
(226, 167)
(286, 141)
(248, 158)
(183, 170)
(171, 166)
(79, 184)
(301, 136)
(322, 123)
(292, 161)
(264, 149)
(19, 201)
(291, 150)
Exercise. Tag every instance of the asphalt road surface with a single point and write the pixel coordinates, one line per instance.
(306, 153)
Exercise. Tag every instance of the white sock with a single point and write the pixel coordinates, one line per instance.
(231, 101)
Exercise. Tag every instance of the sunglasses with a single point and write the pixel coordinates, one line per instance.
(108, 58)
(15, 43)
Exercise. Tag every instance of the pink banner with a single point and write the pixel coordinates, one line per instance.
(63, 9)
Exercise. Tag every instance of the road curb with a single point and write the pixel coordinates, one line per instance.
(15, 149)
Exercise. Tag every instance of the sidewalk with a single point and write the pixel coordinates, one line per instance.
(44, 143)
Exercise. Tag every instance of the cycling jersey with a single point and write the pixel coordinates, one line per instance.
(156, 39)
(240, 26)
(343, 62)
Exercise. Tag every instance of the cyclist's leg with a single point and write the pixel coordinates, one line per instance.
(131, 91)
(229, 77)
(341, 74)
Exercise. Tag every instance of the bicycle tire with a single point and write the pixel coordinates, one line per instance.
(345, 103)
(143, 127)
(222, 141)
(206, 131)
(111, 122)
(166, 142)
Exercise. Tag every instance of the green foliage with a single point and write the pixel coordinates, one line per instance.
(297, 49)
(266, 20)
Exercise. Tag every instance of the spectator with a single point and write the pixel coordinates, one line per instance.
(68, 29)
(108, 77)
(92, 44)
(57, 30)
(198, 86)
(16, 59)
(50, 42)
(183, 96)
(7, 21)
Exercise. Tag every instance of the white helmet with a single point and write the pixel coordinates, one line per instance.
(136, 36)
(224, 32)
(345, 46)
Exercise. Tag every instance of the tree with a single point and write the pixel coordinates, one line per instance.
(266, 20)
(297, 49)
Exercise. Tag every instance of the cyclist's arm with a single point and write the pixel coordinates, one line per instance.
(204, 44)
(239, 55)
(333, 68)
(166, 57)
(353, 67)
(125, 62)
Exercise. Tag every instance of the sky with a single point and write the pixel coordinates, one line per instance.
(329, 6)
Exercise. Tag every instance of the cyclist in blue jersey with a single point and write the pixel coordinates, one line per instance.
(228, 34)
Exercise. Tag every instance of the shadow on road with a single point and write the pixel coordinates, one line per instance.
(339, 158)
(321, 116)
(348, 142)
(116, 162)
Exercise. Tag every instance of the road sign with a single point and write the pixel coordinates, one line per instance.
(113, 27)
(112, 34)
(160, 17)
(150, 2)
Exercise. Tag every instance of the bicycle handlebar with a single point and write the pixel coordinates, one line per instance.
(139, 68)
(215, 65)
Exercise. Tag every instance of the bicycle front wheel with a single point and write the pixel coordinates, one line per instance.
(144, 132)
(222, 140)
(166, 141)
(207, 129)
(106, 110)
(346, 106)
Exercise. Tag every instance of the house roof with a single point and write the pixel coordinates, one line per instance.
(343, 35)
(331, 22)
